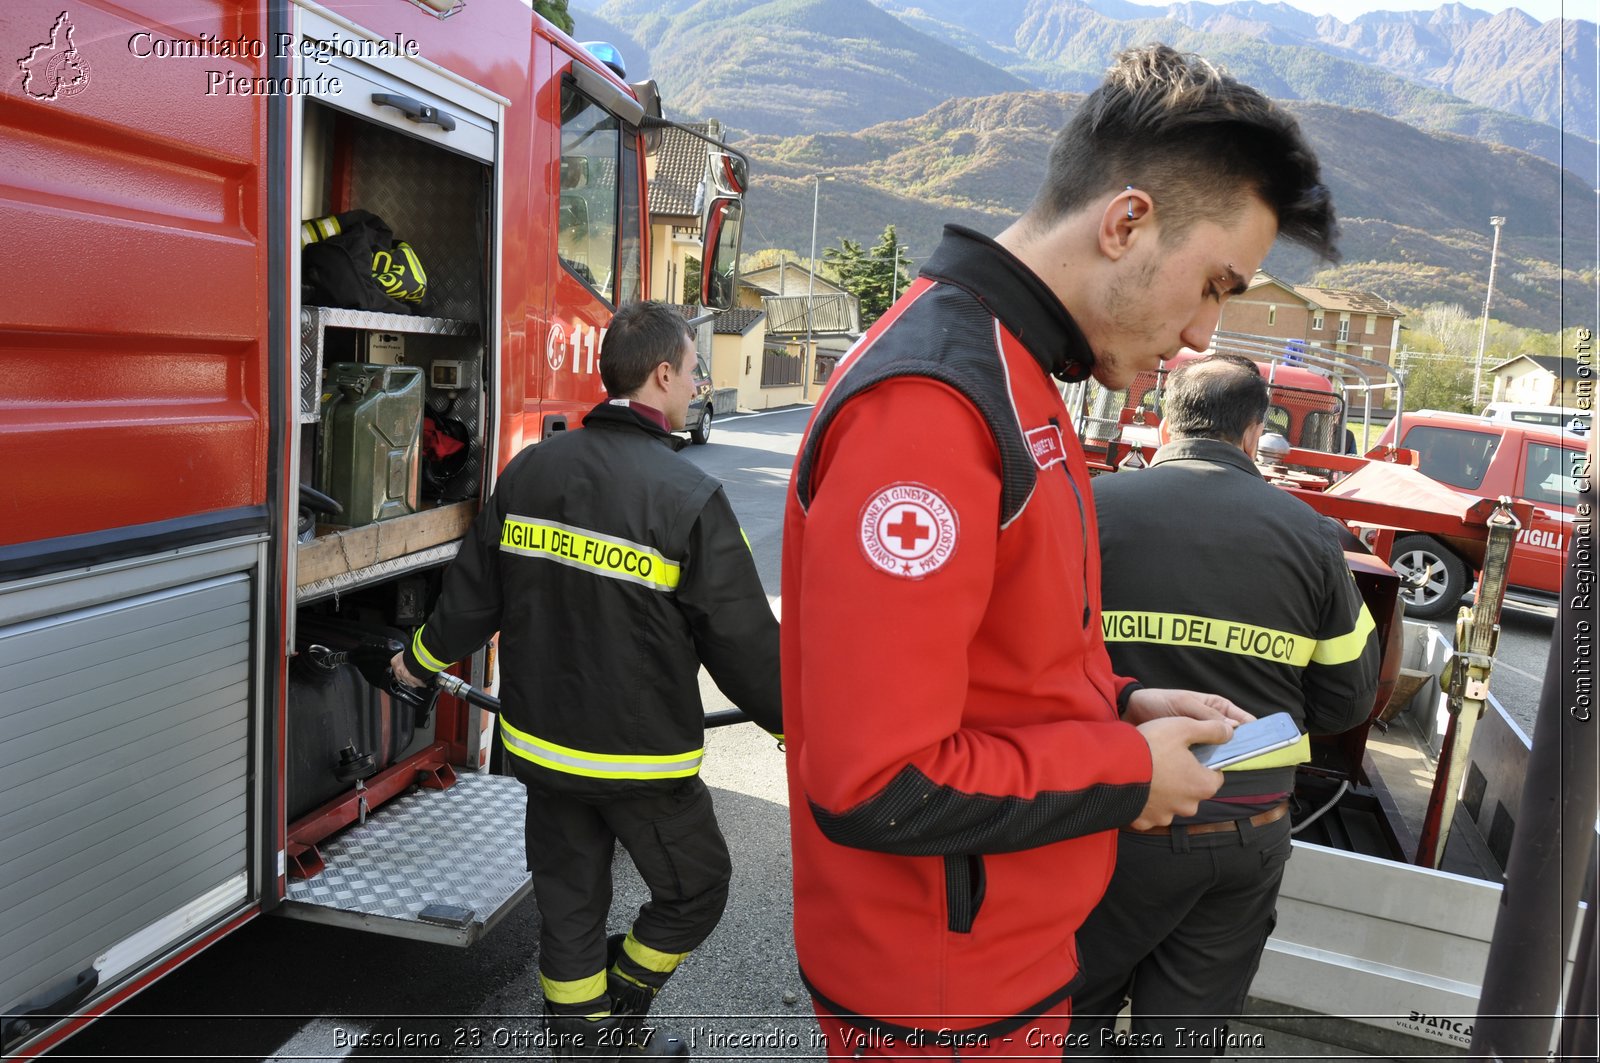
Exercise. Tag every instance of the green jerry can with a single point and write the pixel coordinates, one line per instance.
(371, 439)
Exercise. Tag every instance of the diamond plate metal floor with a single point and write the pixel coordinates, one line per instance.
(461, 846)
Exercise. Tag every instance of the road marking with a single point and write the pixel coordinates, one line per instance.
(763, 413)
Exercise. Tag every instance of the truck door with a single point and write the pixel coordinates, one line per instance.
(597, 235)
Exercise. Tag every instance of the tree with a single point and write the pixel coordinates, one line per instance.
(1441, 355)
(555, 12)
(691, 281)
(871, 276)
(1438, 381)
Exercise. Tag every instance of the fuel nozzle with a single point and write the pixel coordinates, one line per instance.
(371, 658)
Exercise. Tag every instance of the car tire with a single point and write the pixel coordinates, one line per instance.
(701, 432)
(1432, 579)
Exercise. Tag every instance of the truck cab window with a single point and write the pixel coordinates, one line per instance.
(1548, 477)
(586, 226)
(1452, 456)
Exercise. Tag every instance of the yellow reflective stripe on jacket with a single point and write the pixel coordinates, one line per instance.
(577, 991)
(1209, 633)
(603, 555)
(1346, 648)
(599, 765)
(420, 651)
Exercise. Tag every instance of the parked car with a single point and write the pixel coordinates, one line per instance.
(698, 423)
(1548, 416)
(1488, 458)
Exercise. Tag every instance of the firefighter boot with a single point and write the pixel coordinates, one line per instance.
(633, 989)
(575, 1036)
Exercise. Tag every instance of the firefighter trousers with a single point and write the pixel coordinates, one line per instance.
(677, 846)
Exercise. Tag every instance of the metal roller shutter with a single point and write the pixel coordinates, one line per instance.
(124, 776)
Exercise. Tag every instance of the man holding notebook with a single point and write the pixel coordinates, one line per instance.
(1214, 580)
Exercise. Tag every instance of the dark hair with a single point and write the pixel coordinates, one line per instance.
(641, 336)
(1217, 397)
(1197, 140)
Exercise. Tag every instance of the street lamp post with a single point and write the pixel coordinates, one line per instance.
(811, 284)
(1483, 329)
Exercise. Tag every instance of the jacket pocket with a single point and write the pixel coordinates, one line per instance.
(964, 884)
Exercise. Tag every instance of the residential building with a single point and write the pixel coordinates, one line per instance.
(1358, 323)
(790, 294)
(1536, 379)
(676, 172)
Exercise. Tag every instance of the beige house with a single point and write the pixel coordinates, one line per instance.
(758, 353)
(675, 173)
(1537, 380)
(738, 345)
(792, 371)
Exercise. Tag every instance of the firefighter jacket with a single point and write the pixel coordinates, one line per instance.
(956, 762)
(1216, 580)
(612, 568)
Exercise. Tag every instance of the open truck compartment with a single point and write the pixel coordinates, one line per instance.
(369, 378)
(394, 426)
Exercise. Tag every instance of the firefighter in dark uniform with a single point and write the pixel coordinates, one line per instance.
(612, 568)
(1214, 579)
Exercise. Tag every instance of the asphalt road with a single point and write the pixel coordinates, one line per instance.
(285, 990)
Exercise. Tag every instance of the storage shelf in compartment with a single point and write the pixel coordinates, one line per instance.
(338, 317)
(316, 320)
(352, 556)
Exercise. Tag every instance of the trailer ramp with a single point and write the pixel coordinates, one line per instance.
(432, 865)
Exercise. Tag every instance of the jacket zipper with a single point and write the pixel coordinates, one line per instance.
(1083, 525)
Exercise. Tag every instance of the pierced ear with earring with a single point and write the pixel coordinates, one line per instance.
(1130, 203)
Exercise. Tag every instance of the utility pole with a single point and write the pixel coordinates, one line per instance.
(894, 276)
(811, 285)
(1483, 330)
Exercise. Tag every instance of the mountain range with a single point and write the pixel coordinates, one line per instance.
(925, 111)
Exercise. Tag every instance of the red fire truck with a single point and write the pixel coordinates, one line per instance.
(221, 477)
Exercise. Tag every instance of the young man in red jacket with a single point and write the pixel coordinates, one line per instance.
(960, 750)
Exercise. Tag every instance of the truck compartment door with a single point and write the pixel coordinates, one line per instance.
(125, 789)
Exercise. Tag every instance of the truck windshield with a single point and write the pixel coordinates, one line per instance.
(1453, 456)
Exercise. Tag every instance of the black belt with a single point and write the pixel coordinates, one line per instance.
(1260, 819)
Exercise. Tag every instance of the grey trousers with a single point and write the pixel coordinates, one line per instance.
(1181, 929)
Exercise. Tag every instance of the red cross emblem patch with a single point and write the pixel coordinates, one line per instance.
(908, 530)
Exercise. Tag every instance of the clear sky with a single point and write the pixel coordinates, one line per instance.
(1543, 10)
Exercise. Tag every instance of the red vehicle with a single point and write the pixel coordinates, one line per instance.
(1315, 394)
(1488, 458)
(1304, 407)
(223, 481)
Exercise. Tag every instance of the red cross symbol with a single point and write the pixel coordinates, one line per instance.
(909, 531)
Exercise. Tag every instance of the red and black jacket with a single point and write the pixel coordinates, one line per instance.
(956, 762)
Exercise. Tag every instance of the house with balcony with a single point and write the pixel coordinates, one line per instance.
(1359, 323)
(811, 322)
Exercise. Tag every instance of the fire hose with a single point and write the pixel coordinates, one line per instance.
(372, 659)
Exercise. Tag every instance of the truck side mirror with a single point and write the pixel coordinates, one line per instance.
(719, 267)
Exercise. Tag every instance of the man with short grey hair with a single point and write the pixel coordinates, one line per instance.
(1200, 541)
